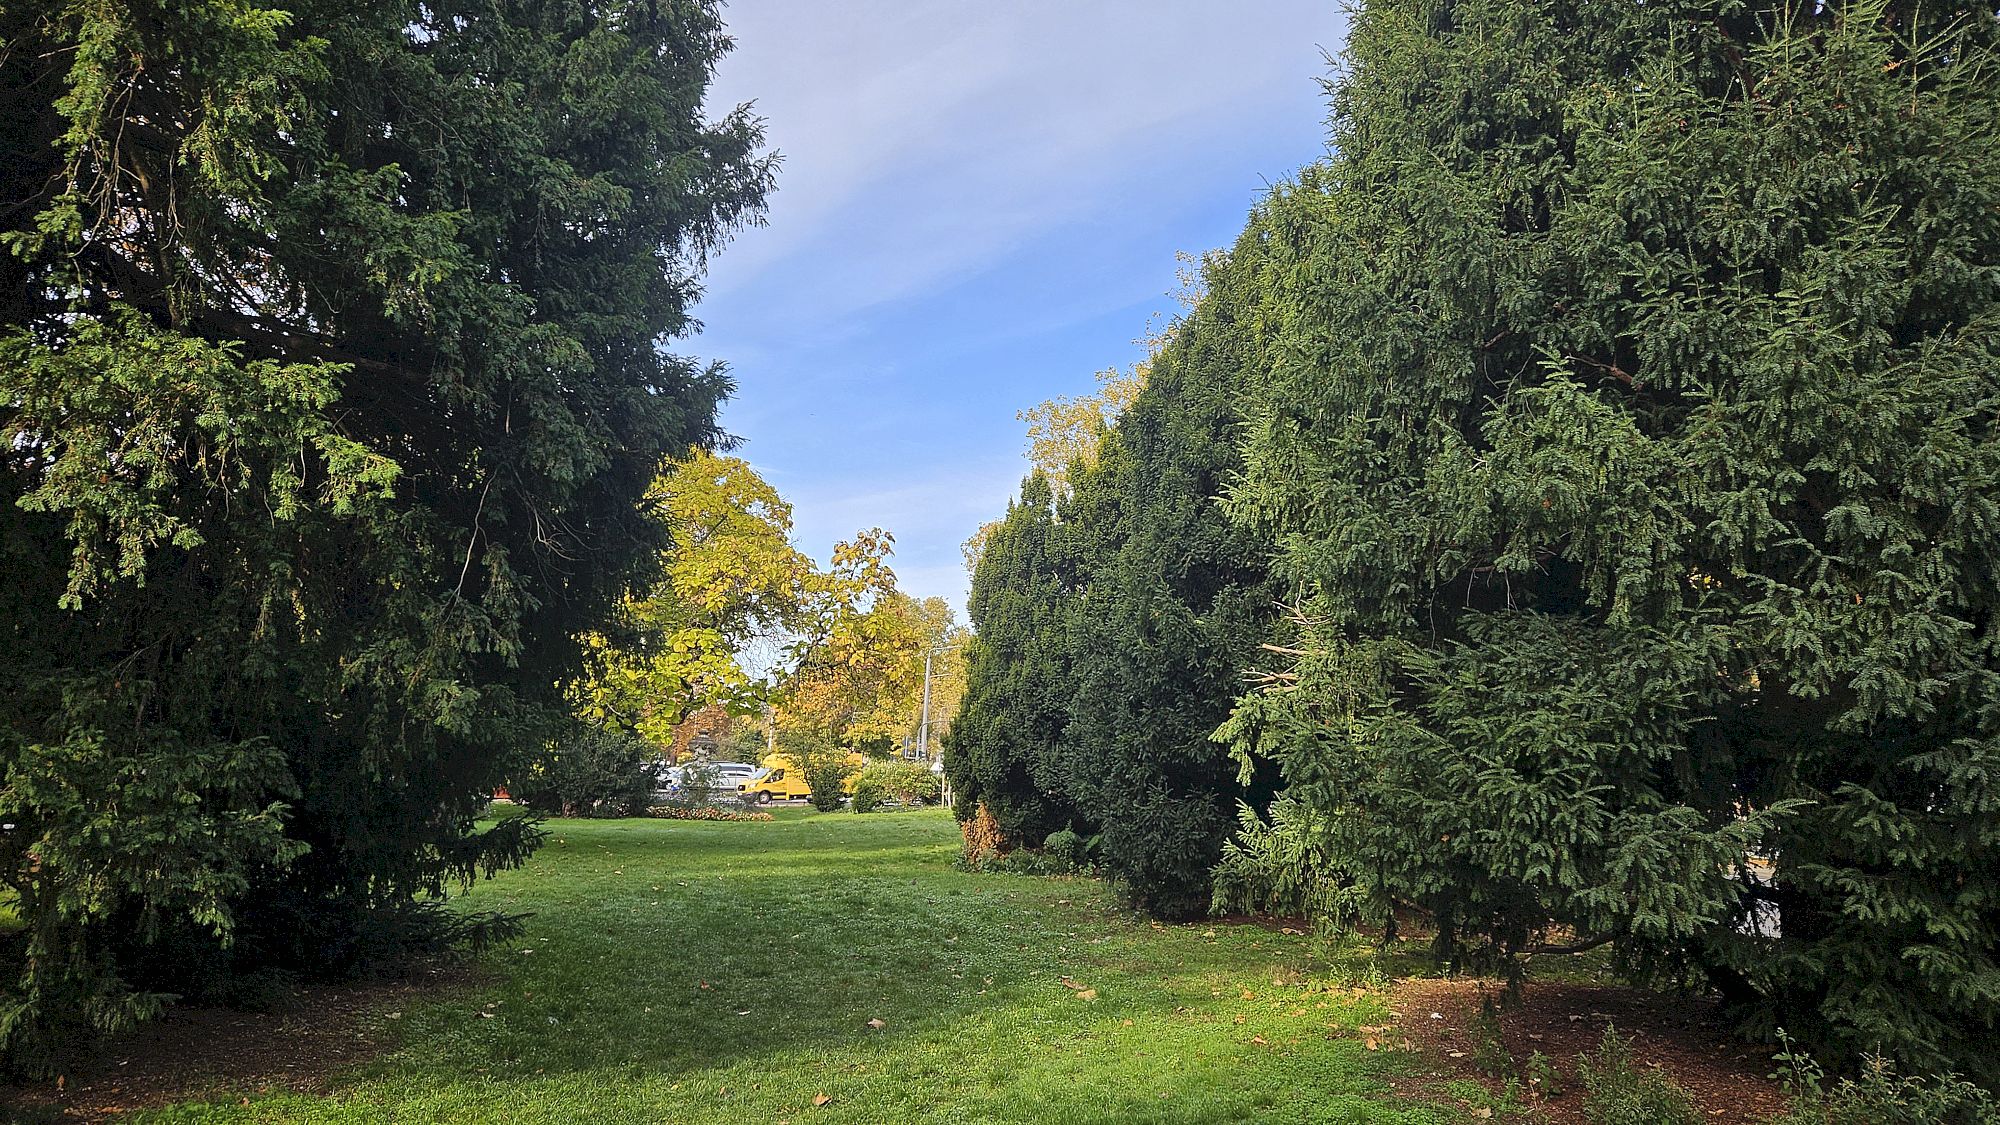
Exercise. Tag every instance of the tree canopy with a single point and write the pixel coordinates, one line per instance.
(732, 588)
(1614, 412)
(333, 365)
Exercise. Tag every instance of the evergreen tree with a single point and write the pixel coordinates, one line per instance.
(1005, 747)
(1631, 416)
(331, 373)
(1174, 603)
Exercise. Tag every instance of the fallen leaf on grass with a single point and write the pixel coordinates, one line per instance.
(1087, 994)
(1259, 1040)
(821, 1100)
(877, 1024)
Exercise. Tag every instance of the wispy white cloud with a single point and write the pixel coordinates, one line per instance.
(972, 195)
(923, 140)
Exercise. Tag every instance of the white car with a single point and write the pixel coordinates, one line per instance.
(713, 776)
(724, 775)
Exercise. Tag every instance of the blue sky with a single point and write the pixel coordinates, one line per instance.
(979, 207)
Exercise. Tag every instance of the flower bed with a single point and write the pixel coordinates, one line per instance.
(675, 812)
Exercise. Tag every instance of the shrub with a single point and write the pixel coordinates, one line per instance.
(1878, 1094)
(1541, 1079)
(700, 786)
(868, 796)
(1066, 850)
(1617, 1092)
(596, 771)
(984, 841)
(1489, 1048)
(822, 764)
(1025, 861)
(885, 780)
(1285, 869)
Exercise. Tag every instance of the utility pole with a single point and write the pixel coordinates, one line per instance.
(924, 723)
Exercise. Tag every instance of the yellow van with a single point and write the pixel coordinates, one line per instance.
(778, 783)
(783, 781)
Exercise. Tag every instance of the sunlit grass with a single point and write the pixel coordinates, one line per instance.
(696, 972)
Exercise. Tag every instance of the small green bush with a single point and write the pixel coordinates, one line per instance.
(1023, 861)
(1541, 1078)
(886, 780)
(595, 771)
(1617, 1092)
(1065, 850)
(1878, 1095)
(868, 795)
(883, 781)
(1489, 1048)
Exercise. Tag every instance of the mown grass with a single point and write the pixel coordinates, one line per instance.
(696, 972)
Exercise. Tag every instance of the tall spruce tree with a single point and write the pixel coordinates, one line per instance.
(1005, 748)
(1174, 602)
(1632, 418)
(331, 375)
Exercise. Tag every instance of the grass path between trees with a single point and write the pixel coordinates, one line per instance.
(696, 972)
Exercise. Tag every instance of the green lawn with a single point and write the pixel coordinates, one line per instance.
(692, 972)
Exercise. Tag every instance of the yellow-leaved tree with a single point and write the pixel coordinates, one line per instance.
(733, 582)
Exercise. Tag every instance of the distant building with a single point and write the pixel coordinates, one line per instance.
(703, 733)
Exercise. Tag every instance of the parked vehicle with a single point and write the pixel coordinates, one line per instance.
(704, 777)
(780, 783)
(783, 781)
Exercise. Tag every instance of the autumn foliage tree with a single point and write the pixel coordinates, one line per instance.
(732, 588)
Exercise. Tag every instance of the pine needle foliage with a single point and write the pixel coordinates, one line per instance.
(1631, 423)
(1173, 602)
(1003, 752)
(332, 371)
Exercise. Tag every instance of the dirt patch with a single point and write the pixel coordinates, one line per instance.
(195, 1052)
(1727, 1077)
